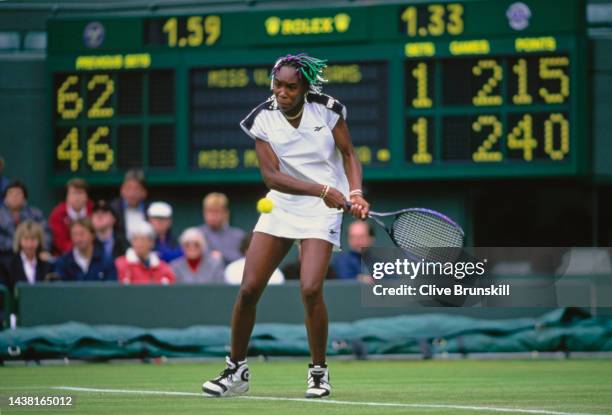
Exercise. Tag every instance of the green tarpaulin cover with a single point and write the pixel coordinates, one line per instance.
(561, 330)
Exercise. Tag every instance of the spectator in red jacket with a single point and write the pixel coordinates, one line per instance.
(76, 206)
(140, 265)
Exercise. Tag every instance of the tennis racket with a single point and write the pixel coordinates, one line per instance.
(424, 233)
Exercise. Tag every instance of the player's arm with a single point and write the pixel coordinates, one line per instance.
(352, 167)
(277, 180)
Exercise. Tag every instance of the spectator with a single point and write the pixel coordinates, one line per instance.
(141, 265)
(222, 239)
(25, 265)
(166, 245)
(197, 266)
(87, 260)
(347, 264)
(234, 271)
(15, 210)
(76, 206)
(292, 270)
(130, 208)
(103, 220)
(4, 181)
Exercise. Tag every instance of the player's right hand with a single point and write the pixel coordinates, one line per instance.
(359, 207)
(334, 199)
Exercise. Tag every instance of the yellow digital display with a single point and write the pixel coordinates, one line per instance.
(98, 118)
(183, 32)
(433, 20)
(489, 109)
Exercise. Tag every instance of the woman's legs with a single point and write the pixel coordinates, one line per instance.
(263, 256)
(314, 262)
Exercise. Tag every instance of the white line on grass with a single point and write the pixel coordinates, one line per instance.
(331, 401)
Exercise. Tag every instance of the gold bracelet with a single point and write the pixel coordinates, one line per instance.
(356, 192)
(324, 191)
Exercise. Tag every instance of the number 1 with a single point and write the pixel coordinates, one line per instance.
(420, 129)
(522, 96)
(420, 74)
(410, 17)
(170, 27)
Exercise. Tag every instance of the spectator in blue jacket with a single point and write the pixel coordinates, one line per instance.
(87, 260)
(347, 264)
(13, 211)
(160, 218)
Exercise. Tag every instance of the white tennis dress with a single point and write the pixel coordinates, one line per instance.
(308, 153)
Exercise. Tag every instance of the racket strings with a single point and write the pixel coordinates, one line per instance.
(421, 232)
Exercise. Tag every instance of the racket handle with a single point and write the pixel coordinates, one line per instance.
(348, 205)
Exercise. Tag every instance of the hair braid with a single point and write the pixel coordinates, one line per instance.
(307, 67)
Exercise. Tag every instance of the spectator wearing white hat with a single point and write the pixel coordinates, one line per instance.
(166, 245)
(140, 265)
(198, 266)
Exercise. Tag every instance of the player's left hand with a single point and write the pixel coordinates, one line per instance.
(359, 207)
(334, 199)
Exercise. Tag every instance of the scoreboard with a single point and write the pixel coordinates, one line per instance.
(459, 89)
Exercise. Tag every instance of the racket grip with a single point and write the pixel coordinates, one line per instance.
(347, 205)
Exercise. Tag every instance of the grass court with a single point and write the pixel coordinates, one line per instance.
(553, 387)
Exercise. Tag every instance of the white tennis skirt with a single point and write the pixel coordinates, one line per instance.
(285, 224)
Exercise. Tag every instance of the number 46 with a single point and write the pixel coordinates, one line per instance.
(99, 155)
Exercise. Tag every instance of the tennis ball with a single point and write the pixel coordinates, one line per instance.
(265, 205)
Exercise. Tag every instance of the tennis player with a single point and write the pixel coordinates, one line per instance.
(308, 162)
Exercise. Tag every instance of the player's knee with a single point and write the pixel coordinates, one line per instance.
(248, 294)
(312, 293)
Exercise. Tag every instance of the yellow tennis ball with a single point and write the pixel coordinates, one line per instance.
(265, 205)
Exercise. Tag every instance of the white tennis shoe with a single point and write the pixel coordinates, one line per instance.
(318, 381)
(233, 380)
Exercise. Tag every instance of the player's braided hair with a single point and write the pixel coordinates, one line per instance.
(307, 67)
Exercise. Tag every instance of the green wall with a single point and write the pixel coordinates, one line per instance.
(602, 107)
(180, 306)
(23, 117)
